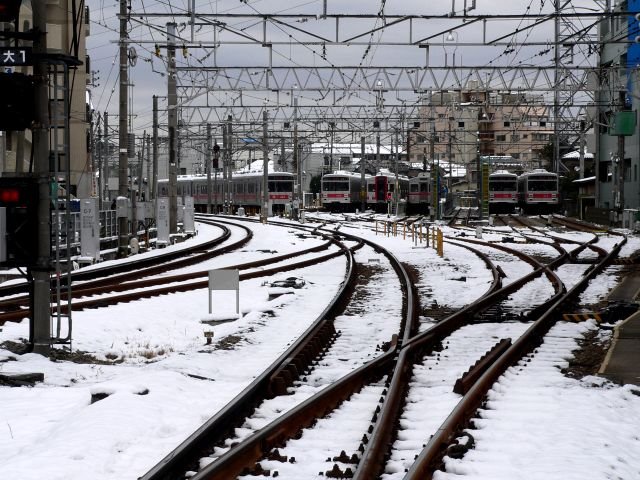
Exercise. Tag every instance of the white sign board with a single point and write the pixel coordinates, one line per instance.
(188, 223)
(224, 280)
(89, 229)
(162, 221)
(180, 210)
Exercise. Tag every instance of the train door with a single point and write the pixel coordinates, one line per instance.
(381, 189)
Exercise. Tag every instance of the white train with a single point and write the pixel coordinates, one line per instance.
(340, 191)
(244, 190)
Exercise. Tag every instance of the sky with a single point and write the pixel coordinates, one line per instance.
(149, 74)
(556, 427)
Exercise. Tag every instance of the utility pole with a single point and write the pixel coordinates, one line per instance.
(265, 168)
(108, 155)
(172, 117)
(396, 190)
(296, 161)
(621, 168)
(363, 185)
(332, 125)
(377, 152)
(225, 154)
(208, 160)
(39, 327)
(123, 162)
(230, 164)
(99, 150)
(147, 196)
(556, 91)
(154, 182)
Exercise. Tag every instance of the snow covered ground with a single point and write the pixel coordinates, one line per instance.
(167, 381)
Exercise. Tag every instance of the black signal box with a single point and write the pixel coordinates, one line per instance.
(19, 197)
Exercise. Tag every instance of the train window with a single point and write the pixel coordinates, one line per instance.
(424, 187)
(413, 187)
(371, 187)
(336, 186)
(542, 185)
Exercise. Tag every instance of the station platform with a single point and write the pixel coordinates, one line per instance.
(622, 362)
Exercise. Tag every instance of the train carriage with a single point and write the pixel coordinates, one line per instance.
(538, 191)
(381, 188)
(419, 196)
(340, 191)
(245, 190)
(503, 192)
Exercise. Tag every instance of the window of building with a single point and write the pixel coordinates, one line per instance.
(507, 124)
(460, 124)
(603, 172)
(543, 123)
(501, 138)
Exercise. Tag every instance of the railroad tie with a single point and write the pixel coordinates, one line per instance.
(581, 317)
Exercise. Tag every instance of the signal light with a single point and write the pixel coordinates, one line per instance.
(19, 197)
(9, 10)
(17, 104)
(9, 195)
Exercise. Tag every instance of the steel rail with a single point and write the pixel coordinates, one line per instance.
(131, 268)
(431, 456)
(246, 453)
(218, 427)
(375, 454)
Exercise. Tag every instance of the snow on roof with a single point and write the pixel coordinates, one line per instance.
(576, 155)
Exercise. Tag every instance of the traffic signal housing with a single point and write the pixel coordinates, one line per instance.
(17, 101)
(9, 10)
(19, 198)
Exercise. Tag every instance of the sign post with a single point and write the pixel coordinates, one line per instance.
(224, 280)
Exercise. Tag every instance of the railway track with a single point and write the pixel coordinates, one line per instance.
(137, 266)
(126, 287)
(351, 402)
(270, 449)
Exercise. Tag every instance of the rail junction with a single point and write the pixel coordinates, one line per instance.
(388, 377)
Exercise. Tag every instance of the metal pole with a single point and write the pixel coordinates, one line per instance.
(377, 152)
(363, 185)
(147, 195)
(225, 146)
(99, 151)
(331, 150)
(172, 116)
(123, 162)
(296, 159)
(621, 101)
(230, 164)
(396, 190)
(40, 331)
(106, 171)
(265, 169)
(556, 91)
(208, 160)
(154, 183)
